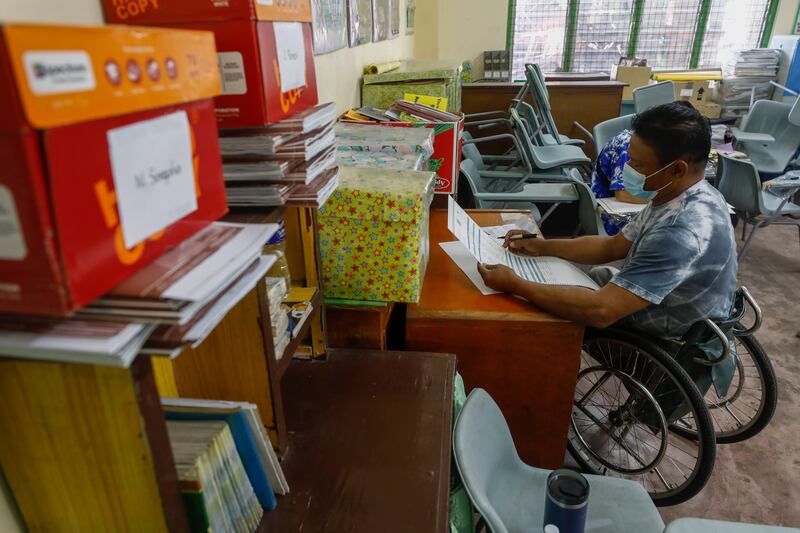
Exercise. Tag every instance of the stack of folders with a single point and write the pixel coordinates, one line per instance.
(747, 75)
(282, 163)
(276, 292)
(215, 488)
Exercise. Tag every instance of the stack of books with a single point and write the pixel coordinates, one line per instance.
(747, 75)
(290, 162)
(174, 302)
(276, 292)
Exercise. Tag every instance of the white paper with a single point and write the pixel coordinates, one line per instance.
(464, 260)
(231, 73)
(613, 206)
(151, 163)
(12, 240)
(291, 51)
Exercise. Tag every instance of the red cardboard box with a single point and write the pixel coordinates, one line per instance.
(149, 12)
(251, 85)
(446, 150)
(86, 199)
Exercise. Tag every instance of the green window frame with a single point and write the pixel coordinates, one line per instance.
(704, 8)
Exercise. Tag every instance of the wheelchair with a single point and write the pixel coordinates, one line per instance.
(653, 410)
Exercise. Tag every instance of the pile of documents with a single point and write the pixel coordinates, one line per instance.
(289, 162)
(276, 292)
(747, 74)
(403, 111)
(174, 302)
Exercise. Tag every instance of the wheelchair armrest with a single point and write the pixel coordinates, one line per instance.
(756, 309)
(726, 347)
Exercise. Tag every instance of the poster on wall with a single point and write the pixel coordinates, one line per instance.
(359, 15)
(394, 17)
(381, 23)
(329, 20)
(411, 10)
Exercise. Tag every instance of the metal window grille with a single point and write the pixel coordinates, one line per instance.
(667, 32)
(602, 34)
(732, 25)
(539, 27)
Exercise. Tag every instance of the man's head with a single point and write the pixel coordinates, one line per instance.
(670, 144)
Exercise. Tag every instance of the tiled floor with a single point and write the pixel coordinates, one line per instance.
(759, 480)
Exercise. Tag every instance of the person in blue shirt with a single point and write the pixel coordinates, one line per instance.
(679, 252)
(607, 177)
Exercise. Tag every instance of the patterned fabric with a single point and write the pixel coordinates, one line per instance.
(373, 235)
(377, 138)
(607, 175)
(387, 160)
(683, 261)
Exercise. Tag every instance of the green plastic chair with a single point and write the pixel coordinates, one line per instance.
(510, 495)
(740, 185)
(537, 130)
(700, 525)
(604, 131)
(588, 215)
(546, 157)
(493, 194)
(770, 135)
(541, 97)
(649, 96)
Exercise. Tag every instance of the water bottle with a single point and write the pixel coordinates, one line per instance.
(566, 502)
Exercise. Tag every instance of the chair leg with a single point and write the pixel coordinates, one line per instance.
(747, 242)
(744, 225)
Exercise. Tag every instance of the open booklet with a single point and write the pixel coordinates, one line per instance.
(486, 248)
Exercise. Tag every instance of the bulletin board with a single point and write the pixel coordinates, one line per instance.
(381, 20)
(329, 20)
(359, 15)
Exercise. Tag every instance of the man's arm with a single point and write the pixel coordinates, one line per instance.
(599, 308)
(589, 250)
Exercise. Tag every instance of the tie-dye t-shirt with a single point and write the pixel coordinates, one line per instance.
(683, 261)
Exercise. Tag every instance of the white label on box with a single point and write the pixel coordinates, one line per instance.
(264, 2)
(291, 51)
(231, 72)
(686, 92)
(12, 240)
(58, 72)
(151, 162)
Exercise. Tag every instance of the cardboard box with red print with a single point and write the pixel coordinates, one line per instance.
(148, 12)
(110, 153)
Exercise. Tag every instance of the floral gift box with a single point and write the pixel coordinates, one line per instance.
(373, 234)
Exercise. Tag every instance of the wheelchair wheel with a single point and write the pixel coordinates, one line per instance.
(750, 401)
(628, 394)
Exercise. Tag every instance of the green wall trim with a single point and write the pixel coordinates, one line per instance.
(570, 34)
(510, 27)
(636, 23)
(766, 34)
(700, 33)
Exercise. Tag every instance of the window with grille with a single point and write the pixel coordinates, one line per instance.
(591, 35)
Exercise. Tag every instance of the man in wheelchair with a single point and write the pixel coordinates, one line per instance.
(679, 252)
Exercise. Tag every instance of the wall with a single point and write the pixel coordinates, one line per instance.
(784, 18)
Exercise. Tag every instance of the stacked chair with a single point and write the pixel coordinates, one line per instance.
(539, 166)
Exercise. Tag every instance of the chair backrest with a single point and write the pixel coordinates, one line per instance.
(740, 185)
(608, 128)
(470, 151)
(649, 96)
(588, 216)
(535, 128)
(525, 141)
(483, 448)
(794, 112)
(773, 118)
(541, 98)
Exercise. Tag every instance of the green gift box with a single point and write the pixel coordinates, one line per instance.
(429, 78)
(373, 234)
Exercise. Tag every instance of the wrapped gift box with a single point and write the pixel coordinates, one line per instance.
(427, 78)
(383, 138)
(110, 153)
(373, 235)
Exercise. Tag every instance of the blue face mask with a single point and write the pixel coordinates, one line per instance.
(633, 180)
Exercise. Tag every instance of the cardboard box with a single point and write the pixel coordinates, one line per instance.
(429, 78)
(635, 77)
(373, 235)
(446, 156)
(86, 200)
(149, 12)
(696, 92)
(251, 85)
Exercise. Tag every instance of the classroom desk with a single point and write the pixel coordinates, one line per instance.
(587, 102)
(369, 443)
(525, 358)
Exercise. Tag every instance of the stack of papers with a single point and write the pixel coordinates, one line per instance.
(746, 71)
(405, 111)
(475, 245)
(752, 62)
(70, 340)
(367, 137)
(317, 193)
(261, 166)
(612, 206)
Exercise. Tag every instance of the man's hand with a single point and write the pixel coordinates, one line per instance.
(532, 247)
(499, 277)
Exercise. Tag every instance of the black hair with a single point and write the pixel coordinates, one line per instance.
(675, 131)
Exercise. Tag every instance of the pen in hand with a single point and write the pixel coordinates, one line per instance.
(520, 236)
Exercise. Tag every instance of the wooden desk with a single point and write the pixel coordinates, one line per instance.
(587, 102)
(358, 327)
(370, 440)
(525, 358)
